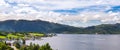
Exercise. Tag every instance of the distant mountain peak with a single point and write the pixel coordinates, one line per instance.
(48, 27)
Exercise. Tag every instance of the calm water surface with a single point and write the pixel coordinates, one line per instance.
(81, 42)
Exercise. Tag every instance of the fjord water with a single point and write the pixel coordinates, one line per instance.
(81, 42)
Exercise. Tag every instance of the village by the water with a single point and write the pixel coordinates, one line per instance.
(17, 41)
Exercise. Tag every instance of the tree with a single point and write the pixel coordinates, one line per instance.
(45, 47)
(17, 45)
(3, 46)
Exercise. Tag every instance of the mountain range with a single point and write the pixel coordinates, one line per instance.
(49, 27)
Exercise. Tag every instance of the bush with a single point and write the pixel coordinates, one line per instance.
(24, 48)
(3, 46)
(45, 47)
(17, 45)
(36, 47)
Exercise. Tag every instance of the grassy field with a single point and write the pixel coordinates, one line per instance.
(2, 37)
(37, 34)
(12, 36)
(19, 35)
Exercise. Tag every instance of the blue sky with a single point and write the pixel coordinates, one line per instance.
(79, 13)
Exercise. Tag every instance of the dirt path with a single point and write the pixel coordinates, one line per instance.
(14, 47)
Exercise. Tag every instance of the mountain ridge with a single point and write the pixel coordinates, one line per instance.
(49, 27)
(34, 26)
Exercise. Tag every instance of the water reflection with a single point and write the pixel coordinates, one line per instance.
(81, 42)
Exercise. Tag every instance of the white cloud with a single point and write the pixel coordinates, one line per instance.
(2, 2)
(42, 9)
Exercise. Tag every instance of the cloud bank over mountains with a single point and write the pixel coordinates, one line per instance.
(79, 13)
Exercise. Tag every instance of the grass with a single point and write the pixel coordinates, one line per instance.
(2, 37)
(22, 36)
(10, 35)
(37, 34)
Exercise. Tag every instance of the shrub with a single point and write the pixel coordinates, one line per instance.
(3, 46)
(17, 45)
